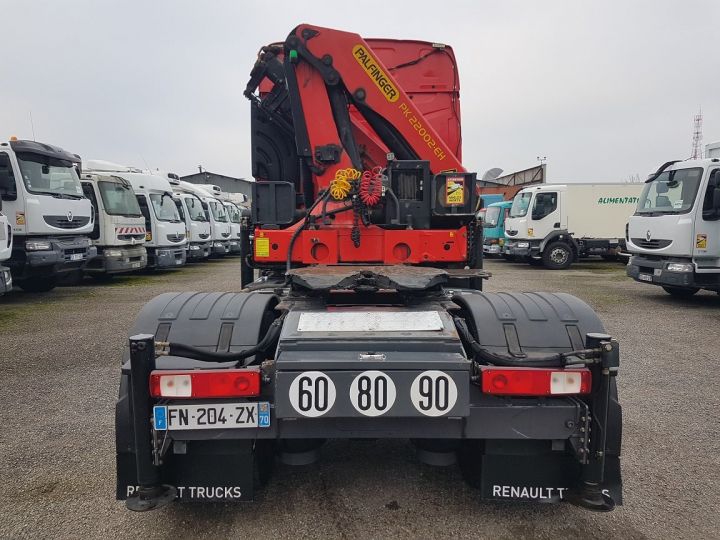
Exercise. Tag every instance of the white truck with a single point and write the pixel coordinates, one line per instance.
(197, 223)
(674, 235)
(217, 214)
(6, 242)
(119, 232)
(49, 215)
(555, 224)
(164, 230)
(234, 210)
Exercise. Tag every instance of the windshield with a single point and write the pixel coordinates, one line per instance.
(218, 211)
(195, 209)
(164, 207)
(43, 174)
(234, 213)
(119, 199)
(520, 204)
(673, 192)
(491, 216)
(179, 206)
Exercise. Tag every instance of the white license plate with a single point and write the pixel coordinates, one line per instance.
(76, 256)
(219, 416)
(645, 277)
(135, 265)
(178, 261)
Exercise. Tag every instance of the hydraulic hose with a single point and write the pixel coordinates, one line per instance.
(271, 337)
(391, 194)
(322, 197)
(589, 356)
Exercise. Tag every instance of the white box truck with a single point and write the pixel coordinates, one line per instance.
(556, 224)
(119, 232)
(6, 242)
(165, 231)
(49, 215)
(674, 236)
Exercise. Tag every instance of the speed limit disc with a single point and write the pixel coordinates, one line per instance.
(433, 393)
(312, 393)
(372, 393)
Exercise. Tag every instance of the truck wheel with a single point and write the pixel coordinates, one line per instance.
(682, 292)
(557, 256)
(38, 284)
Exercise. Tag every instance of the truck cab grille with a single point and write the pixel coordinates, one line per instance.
(651, 244)
(62, 222)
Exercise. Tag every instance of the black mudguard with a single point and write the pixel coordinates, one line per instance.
(512, 323)
(207, 470)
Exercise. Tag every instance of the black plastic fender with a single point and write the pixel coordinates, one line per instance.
(562, 236)
(528, 322)
(221, 321)
(512, 323)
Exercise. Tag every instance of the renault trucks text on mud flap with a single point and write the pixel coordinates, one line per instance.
(164, 231)
(119, 232)
(6, 241)
(49, 215)
(556, 224)
(674, 235)
(368, 320)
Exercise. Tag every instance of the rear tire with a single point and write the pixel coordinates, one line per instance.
(38, 284)
(557, 256)
(681, 292)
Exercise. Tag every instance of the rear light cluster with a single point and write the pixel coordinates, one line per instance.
(521, 381)
(205, 383)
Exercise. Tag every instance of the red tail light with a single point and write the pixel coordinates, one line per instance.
(520, 381)
(205, 383)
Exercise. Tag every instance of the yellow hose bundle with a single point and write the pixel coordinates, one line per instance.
(340, 187)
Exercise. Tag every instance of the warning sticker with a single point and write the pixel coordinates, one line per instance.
(701, 241)
(262, 247)
(455, 191)
(19, 218)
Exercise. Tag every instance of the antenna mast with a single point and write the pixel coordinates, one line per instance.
(696, 152)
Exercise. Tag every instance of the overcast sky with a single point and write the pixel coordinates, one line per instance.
(605, 90)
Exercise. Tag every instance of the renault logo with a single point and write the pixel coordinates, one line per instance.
(69, 216)
(647, 236)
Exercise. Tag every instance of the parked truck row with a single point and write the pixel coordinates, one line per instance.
(59, 215)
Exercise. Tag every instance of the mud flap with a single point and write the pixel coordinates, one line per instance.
(540, 478)
(528, 471)
(210, 470)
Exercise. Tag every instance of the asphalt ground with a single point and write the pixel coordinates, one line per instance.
(59, 372)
